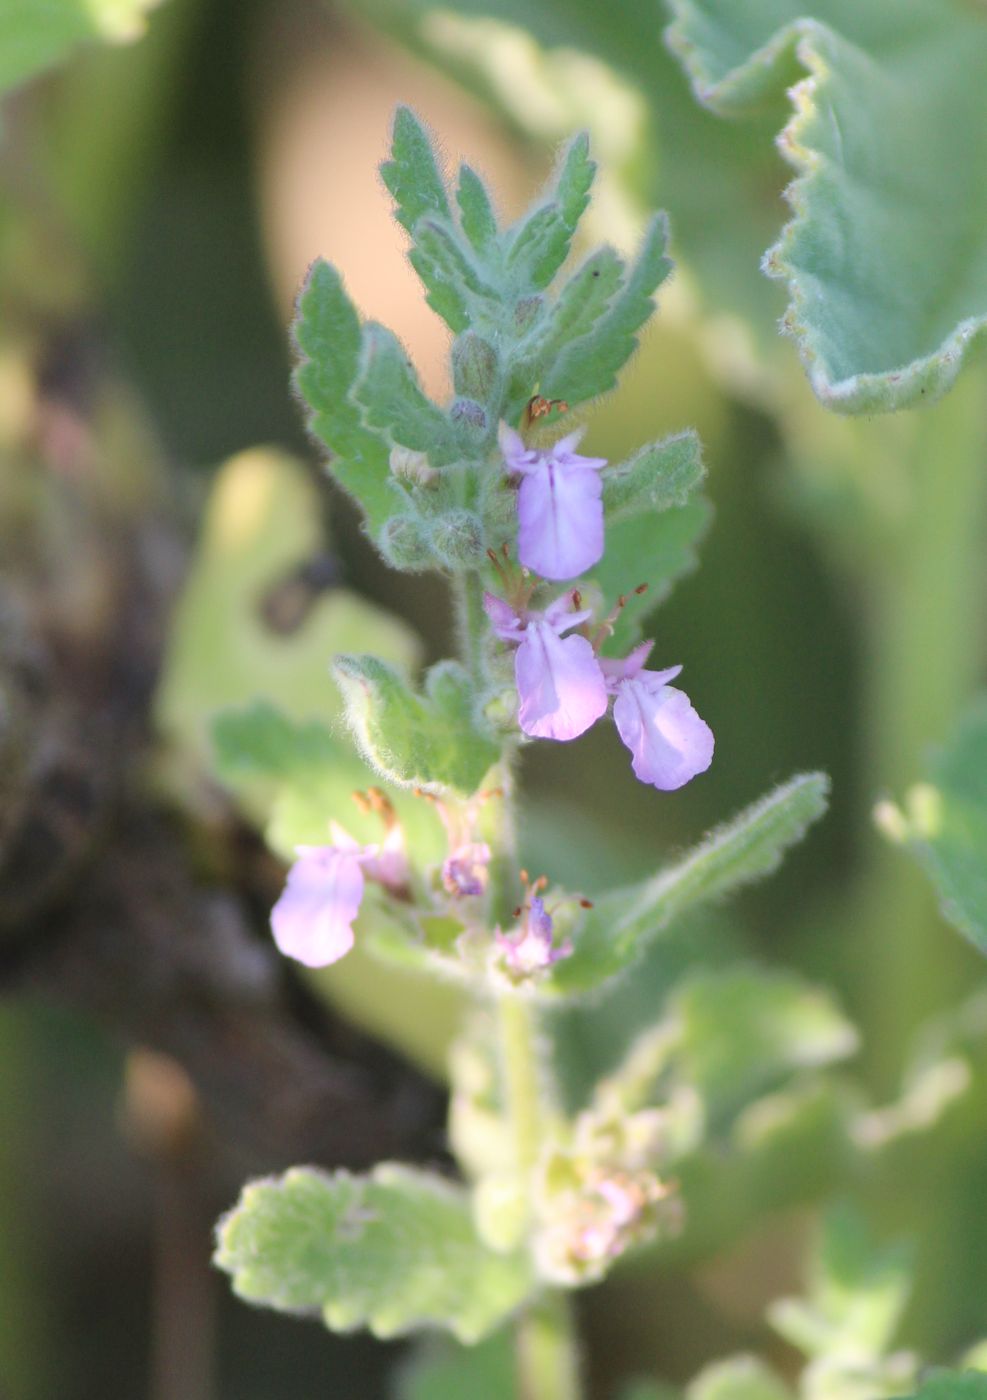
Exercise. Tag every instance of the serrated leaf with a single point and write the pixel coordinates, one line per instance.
(430, 741)
(615, 933)
(539, 243)
(886, 256)
(388, 392)
(412, 175)
(476, 215)
(36, 36)
(588, 367)
(948, 826)
(327, 334)
(738, 1378)
(656, 478)
(444, 1371)
(653, 549)
(581, 302)
(395, 1251)
(455, 287)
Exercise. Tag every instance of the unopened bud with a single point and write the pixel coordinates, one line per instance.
(526, 313)
(405, 544)
(458, 539)
(474, 367)
(469, 412)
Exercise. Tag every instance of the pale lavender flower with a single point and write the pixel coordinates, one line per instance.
(464, 871)
(560, 686)
(312, 922)
(560, 506)
(528, 949)
(668, 741)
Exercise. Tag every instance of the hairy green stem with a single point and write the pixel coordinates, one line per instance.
(547, 1350)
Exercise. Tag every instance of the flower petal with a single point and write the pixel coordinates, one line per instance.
(560, 684)
(668, 741)
(560, 519)
(503, 619)
(312, 921)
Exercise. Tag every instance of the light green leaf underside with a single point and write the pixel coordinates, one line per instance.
(949, 827)
(886, 255)
(738, 1378)
(616, 931)
(36, 34)
(394, 1251)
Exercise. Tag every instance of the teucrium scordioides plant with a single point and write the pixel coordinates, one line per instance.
(553, 557)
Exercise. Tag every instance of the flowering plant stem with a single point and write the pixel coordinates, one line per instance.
(547, 1350)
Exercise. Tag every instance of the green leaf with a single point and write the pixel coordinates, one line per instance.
(581, 302)
(387, 390)
(614, 934)
(952, 1385)
(539, 244)
(34, 36)
(743, 1031)
(656, 478)
(656, 550)
(412, 175)
(327, 335)
(430, 741)
(476, 214)
(455, 288)
(394, 1251)
(738, 1378)
(444, 1371)
(261, 741)
(856, 1296)
(886, 256)
(946, 826)
(588, 367)
(261, 523)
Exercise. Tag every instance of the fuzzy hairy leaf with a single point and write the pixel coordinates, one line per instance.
(656, 478)
(327, 335)
(885, 257)
(430, 740)
(615, 933)
(476, 215)
(539, 244)
(588, 366)
(387, 390)
(455, 287)
(395, 1251)
(581, 302)
(412, 175)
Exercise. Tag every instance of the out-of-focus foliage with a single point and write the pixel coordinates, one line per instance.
(945, 826)
(35, 34)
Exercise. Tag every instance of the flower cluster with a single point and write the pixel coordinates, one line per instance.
(564, 686)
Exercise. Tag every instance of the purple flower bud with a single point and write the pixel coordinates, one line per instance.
(464, 871)
(560, 506)
(312, 922)
(528, 949)
(560, 685)
(668, 741)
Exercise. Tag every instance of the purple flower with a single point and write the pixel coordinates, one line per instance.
(528, 949)
(312, 922)
(560, 507)
(559, 682)
(668, 741)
